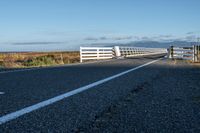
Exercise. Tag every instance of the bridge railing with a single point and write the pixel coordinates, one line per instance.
(140, 51)
(98, 53)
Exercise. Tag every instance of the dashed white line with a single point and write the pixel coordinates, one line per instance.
(14, 115)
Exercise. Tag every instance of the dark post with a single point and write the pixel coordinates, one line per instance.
(193, 58)
(198, 52)
(172, 52)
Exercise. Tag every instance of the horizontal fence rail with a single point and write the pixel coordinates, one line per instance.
(196, 53)
(182, 53)
(140, 51)
(98, 53)
(185, 53)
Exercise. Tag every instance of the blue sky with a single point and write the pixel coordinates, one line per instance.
(67, 24)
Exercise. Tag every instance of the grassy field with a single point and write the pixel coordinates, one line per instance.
(37, 59)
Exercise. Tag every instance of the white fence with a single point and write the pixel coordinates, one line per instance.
(182, 53)
(97, 53)
(140, 51)
(186, 53)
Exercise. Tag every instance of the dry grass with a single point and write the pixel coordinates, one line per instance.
(37, 59)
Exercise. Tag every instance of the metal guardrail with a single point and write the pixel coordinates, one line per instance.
(98, 53)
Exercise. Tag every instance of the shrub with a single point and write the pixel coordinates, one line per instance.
(9, 61)
(40, 61)
(34, 59)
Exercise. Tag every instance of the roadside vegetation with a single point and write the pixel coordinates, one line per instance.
(37, 59)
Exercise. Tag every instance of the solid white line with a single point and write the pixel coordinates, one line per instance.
(18, 70)
(14, 115)
(1, 93)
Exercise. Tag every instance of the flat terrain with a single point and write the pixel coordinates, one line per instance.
(161, 97)
(37, 59)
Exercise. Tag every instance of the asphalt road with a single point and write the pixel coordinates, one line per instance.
(81, 111)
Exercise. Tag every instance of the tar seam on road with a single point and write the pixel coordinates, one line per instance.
(14, 115)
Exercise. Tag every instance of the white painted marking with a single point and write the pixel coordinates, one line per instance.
(14, 115)
(1, 93)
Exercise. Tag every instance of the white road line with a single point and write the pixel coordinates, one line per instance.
(14, 115)
(1, 93)
(18, 70)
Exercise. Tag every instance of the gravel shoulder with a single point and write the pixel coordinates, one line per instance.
(170, 102)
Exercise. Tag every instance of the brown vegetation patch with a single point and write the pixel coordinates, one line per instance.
(37, 59)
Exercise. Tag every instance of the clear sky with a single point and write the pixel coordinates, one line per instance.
(67, 24)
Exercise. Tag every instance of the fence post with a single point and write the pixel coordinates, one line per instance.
(97, 53)
(198, 53)
(81, 55)
(171, 52)
(194, 53)
(117, 51)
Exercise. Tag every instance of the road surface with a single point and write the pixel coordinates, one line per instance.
(156, 96)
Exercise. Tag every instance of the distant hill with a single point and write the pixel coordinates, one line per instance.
(154, 44)
(160, 44)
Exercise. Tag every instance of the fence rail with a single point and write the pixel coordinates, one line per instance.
(95, 53)
(186, 53)
(196, 53)
(140, 51)
(98, 53)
